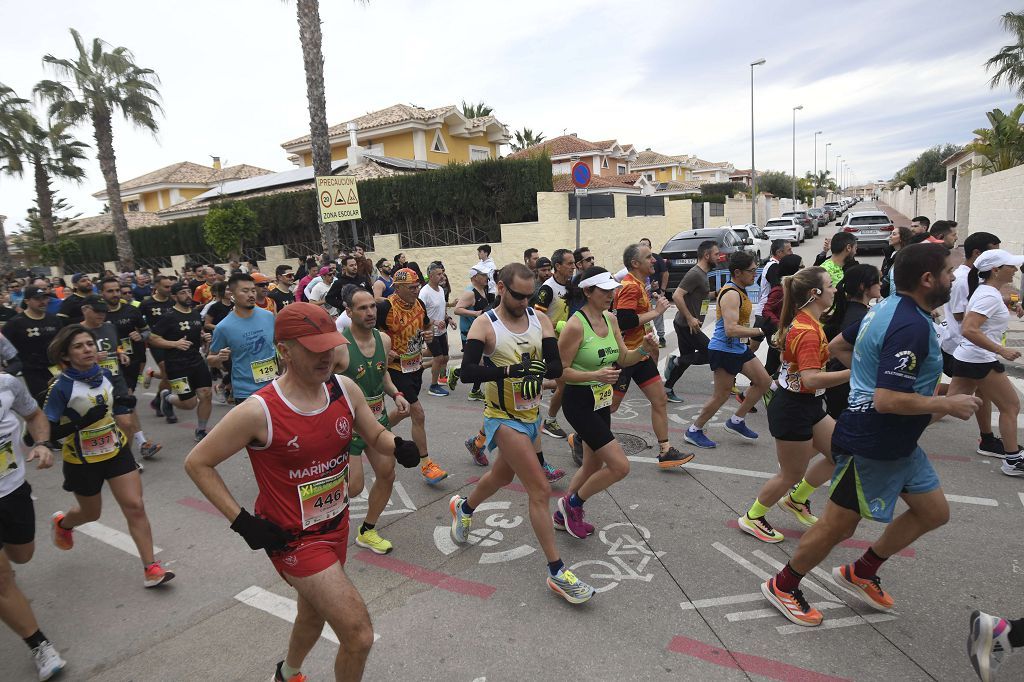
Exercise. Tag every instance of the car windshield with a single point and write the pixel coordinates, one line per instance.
(681, 244)
(815, 211)
(779, 223)
(869, 220)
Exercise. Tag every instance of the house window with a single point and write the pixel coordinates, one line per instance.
(649, 176)
(133, 206)
(620, 169)
(438, 144)
(604, 162)
(479, 153)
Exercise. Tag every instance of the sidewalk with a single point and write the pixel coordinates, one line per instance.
(898, 219)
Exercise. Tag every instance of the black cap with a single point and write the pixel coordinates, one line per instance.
(36, 292)
(178, 286)
(96, 303)
(543, 262)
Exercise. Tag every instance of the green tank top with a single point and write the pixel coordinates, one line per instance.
(596, 351)
(368, 373)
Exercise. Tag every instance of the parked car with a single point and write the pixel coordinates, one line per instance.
(810, 226)
(762, 245)
(819, 216)
(785, 228)
(835, 207)
(871, 228)
(680, 252)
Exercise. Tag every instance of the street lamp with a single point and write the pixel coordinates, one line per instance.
(839, 184)
(814, 201)
(753, 172)
(795, 109)
(826, 162)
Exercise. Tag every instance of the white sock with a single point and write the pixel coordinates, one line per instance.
(139, 439)
(693, 428)
(736, 419)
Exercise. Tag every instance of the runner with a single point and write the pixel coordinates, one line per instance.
(861, 285)
(153, 309)
(551, 299)
(471, 304)
(30, 333)
(729, 356)
(79, 409)
(780, 249)
(436, 304)
(17, 515)
(990, 640)
(71, 307)
(281, 289)
(976, 360)
(796, 413)
(364, 359)
(878, 460)
(296, 431)
(180, 333)
(521, 350)
(246, 338)
(592, 352)
(383, 286)
(405, 321)
(691, 299)
(263, 299)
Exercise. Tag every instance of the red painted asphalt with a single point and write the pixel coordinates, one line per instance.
(764, 667)
(426, 576)
(856, 544)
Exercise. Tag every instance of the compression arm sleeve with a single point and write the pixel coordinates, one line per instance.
(473, 372)
(628, 319)
(552, 358)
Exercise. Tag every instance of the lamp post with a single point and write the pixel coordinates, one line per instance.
(839, 184)
(814, 200)
(826, 161)
(753, 171)
(795, 109)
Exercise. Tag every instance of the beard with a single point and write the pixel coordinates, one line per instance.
(939, 297)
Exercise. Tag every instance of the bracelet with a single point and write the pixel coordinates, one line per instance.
(397, 393)
(643, 352)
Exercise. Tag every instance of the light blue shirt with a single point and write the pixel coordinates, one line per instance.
(251, 341)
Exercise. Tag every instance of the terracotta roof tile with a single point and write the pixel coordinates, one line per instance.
(188, 173)
(105, 222)
(649, 158)
(563, 183)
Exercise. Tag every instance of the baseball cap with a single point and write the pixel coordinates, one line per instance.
(260, 278)
(543, 262)
(96, 303)
(178, 286)
(77, 276)
(310, 325)
(36, 292)
(994, 258)
(405, 276)
(325, 270)
(478, 271)
(602, 280)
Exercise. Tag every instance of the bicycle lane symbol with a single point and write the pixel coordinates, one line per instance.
(629, 558)
(490, 535)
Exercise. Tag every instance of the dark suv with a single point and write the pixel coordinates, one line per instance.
(809, 223)
(680, 252)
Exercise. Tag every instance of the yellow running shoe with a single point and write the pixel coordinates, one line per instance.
(802, 511)
(372, 541)
(760, 529)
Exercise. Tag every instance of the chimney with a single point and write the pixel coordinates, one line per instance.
(216, 163)
(355, 152)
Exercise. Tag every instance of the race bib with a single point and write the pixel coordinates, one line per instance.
(180, 386)
(323, 499)
(602, 396)
(376, 404)
(522, 403)
(412, 362)
(8, 463)
(111, 365)
(704, 307)
(264, 370)
(125, 346)
(99, 441)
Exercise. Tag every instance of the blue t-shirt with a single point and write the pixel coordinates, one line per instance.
(253, 356)
(895, 348)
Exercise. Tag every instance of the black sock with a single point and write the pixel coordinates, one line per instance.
(987, 435)
(466, 509)
(366, 526)
(540, 458)
(555, 566)
(37, 638)
(1016, 635)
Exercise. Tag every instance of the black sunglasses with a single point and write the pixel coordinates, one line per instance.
(588, 259)
(519, 296)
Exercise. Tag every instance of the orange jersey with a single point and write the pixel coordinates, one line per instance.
(404, 323)
(632, 295)
(805, 348)
(202, 295)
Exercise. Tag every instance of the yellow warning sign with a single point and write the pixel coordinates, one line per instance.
(338, 198)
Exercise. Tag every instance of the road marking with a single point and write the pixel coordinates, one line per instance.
(112, 537)
(764, 667)
(426, 576)
(966, 499)
(706, 467)
(737, 616)
(908, 552)
(721, 601)
(1021, 496)
(282, 607)
(833, 623)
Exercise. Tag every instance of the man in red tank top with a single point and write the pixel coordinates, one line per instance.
(296, 431)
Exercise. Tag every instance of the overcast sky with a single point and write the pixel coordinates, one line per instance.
(883, 80)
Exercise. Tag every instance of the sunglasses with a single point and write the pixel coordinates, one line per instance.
(519, 296)
(588, 259)
(263, 285)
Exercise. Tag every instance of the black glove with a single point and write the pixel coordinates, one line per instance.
(406, 453)
(259, 533)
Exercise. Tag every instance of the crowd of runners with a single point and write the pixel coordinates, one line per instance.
(320, 363)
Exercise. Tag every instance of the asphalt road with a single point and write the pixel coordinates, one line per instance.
(678, 582)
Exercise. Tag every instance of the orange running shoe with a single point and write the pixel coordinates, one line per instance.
(869, 590)
(432, 473)
(792, 604)
(62, 537)
(156, 575)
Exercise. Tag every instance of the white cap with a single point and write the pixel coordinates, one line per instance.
(478, 270)
(994, 258)
(602, 280)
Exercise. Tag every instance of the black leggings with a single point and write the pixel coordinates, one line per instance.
(593, 426)
(693, 350)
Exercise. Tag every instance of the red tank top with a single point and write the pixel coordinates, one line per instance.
(302, 471)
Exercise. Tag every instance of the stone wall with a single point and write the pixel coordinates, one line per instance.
(997, 206)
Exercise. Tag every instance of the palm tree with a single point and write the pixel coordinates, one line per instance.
(1002, 145)
(104, 80)
(1009, 61)
(10, 105)
(476, 110)
(526, 138)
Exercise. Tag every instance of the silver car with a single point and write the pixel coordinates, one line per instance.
(871, 228)
(785, 228)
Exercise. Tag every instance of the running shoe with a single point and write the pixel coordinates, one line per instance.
(661, 342)
(572, 518)
(48, 660)
(740, 429)
(147, 378)
(438, 390)
(149, 448)
(200, 434)
(558, 522)
(479, 456)
(553, 428)
(1014, 468)
(869, 590)
(697, 437)
(62, 537)
(453, 378)
(802, 511)
(670, 365)
(219, 395)
(671, 396)
(155, 404)
(372, 541)
(576, 445)
(988, 643)
(990, 446)
(552, 473)
(156, 575)
(760, 529)
(569, 587)
(166, 408)
(792, 604)
(432, 473)
(740, 396)
(475, 395)
(674, 458)
(279, 676)
(461, 521)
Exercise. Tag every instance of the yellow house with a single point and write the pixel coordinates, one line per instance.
(661, 167)
(176, 183)
(403, 131)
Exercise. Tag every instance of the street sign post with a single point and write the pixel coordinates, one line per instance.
(581, 176)
(338, 198)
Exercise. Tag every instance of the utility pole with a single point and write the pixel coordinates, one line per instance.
(795, 109)
(753, 171)
(814, 200)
